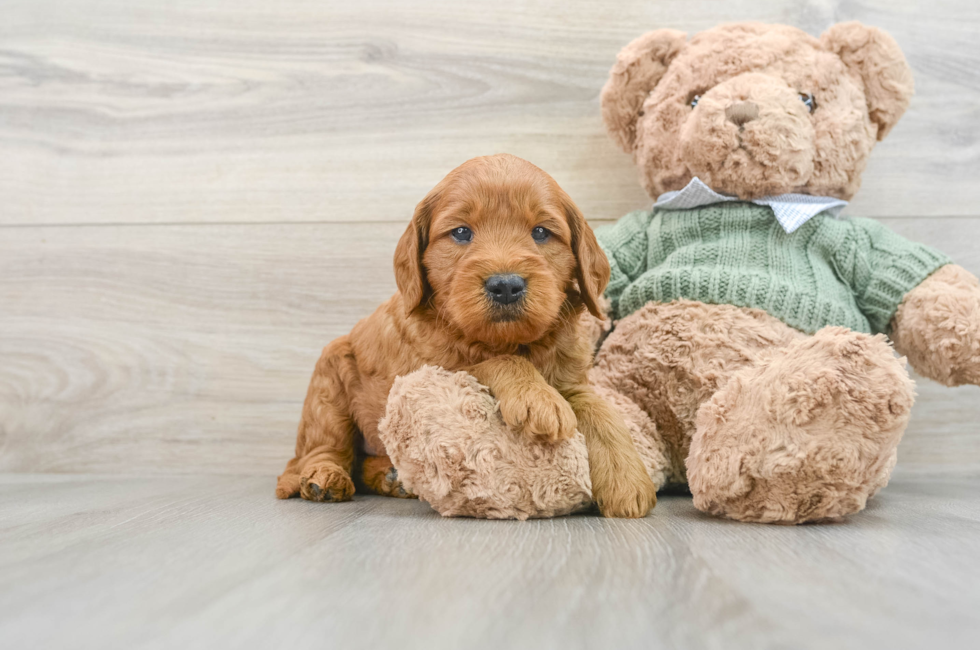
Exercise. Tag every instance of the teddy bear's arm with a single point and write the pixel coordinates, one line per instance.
(881, 267)
(937, 327)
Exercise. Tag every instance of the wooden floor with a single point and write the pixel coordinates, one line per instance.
(111, 562)
(197, 195)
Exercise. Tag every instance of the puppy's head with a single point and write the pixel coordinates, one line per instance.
(499, 250)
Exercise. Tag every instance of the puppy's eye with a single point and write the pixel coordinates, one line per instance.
(808, 101)
(462, 234)
(695, 100)
(540, 234)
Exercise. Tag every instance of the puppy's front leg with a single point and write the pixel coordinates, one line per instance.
(322, 466)
(621, 486)
(527, 402)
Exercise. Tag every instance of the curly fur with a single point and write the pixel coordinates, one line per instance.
(670, 358)
(445, 434)
(857, 75)
(937, 327)
(763, 422)
(533, 355)
(807, 434)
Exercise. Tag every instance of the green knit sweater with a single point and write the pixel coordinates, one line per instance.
(850, 272)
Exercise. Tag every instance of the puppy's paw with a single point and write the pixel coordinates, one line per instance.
(628, 494)
(540, 412)
(326, 482)
(392, 486)
(379, 476)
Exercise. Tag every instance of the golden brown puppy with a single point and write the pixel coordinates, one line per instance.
(493, 273)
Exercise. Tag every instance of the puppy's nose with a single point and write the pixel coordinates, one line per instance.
(742, 112)
(506, 288)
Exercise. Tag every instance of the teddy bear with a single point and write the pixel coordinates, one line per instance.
(754, 336)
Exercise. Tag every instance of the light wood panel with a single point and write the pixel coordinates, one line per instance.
(122, 111)
(195, 562)
(133, 340)
(160, 349)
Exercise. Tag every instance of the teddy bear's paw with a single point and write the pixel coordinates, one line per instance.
(937, 327)
(808, 435)
(540, 412)
(626, 492)
(326, 482)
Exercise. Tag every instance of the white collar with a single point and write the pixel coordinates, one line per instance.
(791, 210)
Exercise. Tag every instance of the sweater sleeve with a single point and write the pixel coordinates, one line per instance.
(625, 245)
(881, 267)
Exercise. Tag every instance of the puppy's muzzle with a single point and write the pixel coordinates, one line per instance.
(505, 289)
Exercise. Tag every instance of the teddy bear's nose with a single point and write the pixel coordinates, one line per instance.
(741, 113)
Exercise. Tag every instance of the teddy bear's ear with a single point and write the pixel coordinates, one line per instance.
(639, 67)
(875, 60)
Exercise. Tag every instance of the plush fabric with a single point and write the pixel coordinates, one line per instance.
(848, 272)
(444, 433)
(742, 358)
(938, 327)
(800, 421)
(668, 103)
(763, 422)
(809, 433)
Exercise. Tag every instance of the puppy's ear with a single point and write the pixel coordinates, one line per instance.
(592, 267)
(409, 269)
(638, 69)
(874, 59)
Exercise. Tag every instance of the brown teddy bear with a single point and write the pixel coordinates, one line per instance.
(749, 353)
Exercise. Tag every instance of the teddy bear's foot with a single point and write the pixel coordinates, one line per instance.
(445, 434)
(809, 434)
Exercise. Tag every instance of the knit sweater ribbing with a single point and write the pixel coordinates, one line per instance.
(851, 272)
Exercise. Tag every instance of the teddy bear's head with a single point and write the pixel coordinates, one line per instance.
(755, 110)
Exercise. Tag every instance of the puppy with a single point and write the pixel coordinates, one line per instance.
(493, 274)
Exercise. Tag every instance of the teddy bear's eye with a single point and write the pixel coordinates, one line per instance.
(808, 101)
(695, 100)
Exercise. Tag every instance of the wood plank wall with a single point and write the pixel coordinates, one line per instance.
(196, 196)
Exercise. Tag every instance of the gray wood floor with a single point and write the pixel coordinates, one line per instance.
(194, 562)
(196, 196)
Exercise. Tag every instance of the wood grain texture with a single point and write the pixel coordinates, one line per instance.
(197, 196)
(126, 111)
(193, 562)
(184, 349)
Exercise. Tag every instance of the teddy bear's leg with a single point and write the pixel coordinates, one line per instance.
(661, 363)
(444, 432)
(808, 434)
(379, 475)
